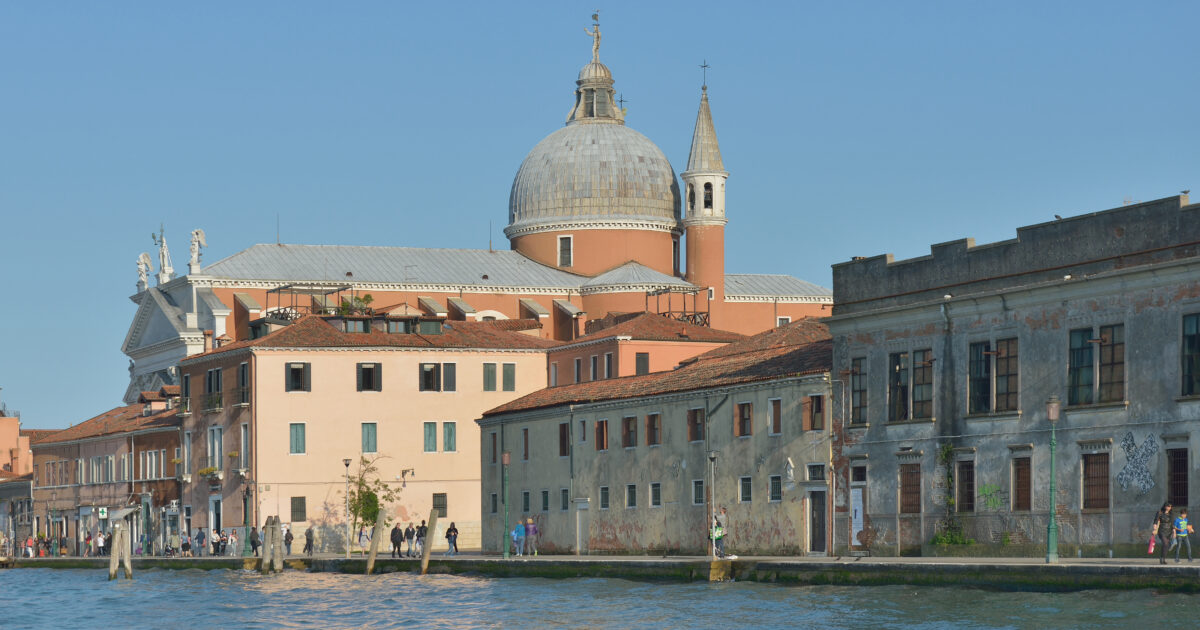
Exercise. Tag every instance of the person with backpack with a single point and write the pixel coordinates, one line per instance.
(518, 537)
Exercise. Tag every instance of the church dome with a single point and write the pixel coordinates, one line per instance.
(595, 70)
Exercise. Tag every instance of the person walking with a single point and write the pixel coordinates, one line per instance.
(531, 533)
(287, 542)
(397, 540)
(409, 534)
(1163, 529)
(364, 539)
(720, 525)
(451, 540)
(215, 541)
(1182, 529)
(421, 532)
(308, 541)
(100, 543)
(518, 536)
(254, 541)
(200, 549)
(233, 543)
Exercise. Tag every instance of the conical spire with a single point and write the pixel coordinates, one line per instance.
(705, 155)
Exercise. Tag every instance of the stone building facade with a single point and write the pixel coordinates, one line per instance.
(947, 362)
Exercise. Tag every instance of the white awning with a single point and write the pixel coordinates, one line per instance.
(123, 512)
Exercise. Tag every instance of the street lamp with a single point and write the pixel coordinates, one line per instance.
(1053, 408)
(246, 518)
(712, 503)
(505, 458)
(346, 463)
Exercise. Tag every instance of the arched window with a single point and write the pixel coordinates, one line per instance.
(691, 197)
(708, 196)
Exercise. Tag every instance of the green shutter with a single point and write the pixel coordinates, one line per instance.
(368, 437)
(510, 377)
(297, 439)
(430, 437)
(449, 374)
(449, 437)
(489, 377)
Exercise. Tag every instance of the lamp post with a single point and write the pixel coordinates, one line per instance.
(712, 503)
(1053, 407)
(505, 458)
(246, 518)
(346, 463)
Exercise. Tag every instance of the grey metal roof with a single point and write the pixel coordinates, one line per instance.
(766, 284)
(462, 305)
(393, 265)
(636, 274)
(705, 154)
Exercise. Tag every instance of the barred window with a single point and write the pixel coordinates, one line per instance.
(910, 488)
(1022, 494)
(964, 487)
(1095, 481)
(1177, 476)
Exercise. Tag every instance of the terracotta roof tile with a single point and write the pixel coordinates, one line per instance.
(653, 327)
(113, 421)
(802, 347)
(37, 434)
(12, 476)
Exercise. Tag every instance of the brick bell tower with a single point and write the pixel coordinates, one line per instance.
(704, 203)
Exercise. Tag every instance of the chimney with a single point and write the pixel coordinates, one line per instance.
(208, 340)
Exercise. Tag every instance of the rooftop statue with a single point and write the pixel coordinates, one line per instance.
(595, 35)
(197, 242)
(143, 267)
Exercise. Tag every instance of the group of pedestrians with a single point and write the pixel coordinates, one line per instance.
(525, 537)
(415, 537)
(1171, 532)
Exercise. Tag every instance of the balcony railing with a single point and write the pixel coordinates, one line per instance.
(241, 396)
(185, 406)
(212, 402)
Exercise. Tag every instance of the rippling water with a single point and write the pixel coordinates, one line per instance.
(36, 598)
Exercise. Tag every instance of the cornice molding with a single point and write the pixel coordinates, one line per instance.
(783, 299)
(598, 224)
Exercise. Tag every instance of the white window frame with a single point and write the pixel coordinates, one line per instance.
(742, 486)
(558, 257)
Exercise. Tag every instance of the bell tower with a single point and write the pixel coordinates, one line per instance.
(704, 206)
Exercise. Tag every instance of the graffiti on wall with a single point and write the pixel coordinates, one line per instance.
(1137, 463)
(991, 497)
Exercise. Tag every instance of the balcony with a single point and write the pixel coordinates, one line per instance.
(241, 397)
(185, 406)
(213, 402)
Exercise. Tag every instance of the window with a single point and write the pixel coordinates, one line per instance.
(1084, 362)
(653, 429)
(578, 369)
(816, 413)
(712, 293)
(185, 391)
(774, 416)
(858, 391)
(212, 389)
(708, 195)
(370, 377)
(595, 361)
(435, 377)
(430, 437)
(368, 437)
(608, 365)
(782, 321)
(243, 450)
(564, 251)
(187, 456)
(510, 377)
(698, 492)
(495, 503)
(1095, 481)
(1079, 368)
(775, 493)
(1190, 354)
(162, 463)
(816, 472)
(449, 437)
(525, 444)
(1007, 379)
(564, 496)
(629, 432)
(964, 487)
(439, 504)
(489, 377)
(493, 447)
(243, 384)
(742, 424)
(215, 443)
(429, 327)
(655, 494)
(922, 385)
(1022, 495)
(296, 444)
(910, 488)
(299, 509)
(299, 378)
(898, 387)
(583, 430)
(631, 495)
(858, 474)
(642, 363)
(695, 425)
(1112, 363)
(602, 435)
(745, 489)
(992, 379)
(603, 497)
(553, 374)
(355, 325)
(1177, 476)
(401, 326)
(545, 500)
(564, 439)
(525, 501)
(675, 257)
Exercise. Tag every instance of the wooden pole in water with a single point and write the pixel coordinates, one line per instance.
(114, 558)
(380, 524)
(425, 544)
(267, 547)
(127, 546)
(277, 545)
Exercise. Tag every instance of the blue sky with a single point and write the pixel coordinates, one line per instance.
(849, 129)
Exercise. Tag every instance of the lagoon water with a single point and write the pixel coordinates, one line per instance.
(45, 598)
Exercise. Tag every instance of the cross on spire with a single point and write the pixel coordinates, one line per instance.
(704, 68)
(621, 101)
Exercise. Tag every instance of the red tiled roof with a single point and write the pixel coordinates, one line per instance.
(802, 347)
(37, 434)
(145, 397)
(170, 391)
(113, 421)
(12, 476)
(653, 327)
(315, 332)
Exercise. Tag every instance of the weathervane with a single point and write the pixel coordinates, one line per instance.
(595, 35)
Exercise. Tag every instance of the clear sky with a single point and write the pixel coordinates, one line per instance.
(849, 129)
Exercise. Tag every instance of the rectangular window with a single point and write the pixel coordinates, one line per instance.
(964, 487)
(525, 501)
(653, 429)
(299, 509)
(494, 447)
(629, 432)
(449, 437)
(439, 504)
(430, 377)
(655, 494)
(583, 430)
(489, 377)
(1112, 363)
(449, 377)
(244, 449)
(631, 495)
(595, 364)
(296, 445)
(910, 488)
(525, 444)
(898, 387)
(608, 365)
(1190, 355)
(578, 369)
(369, 437)
(695, 425)
(495, 503)
(370, 377)
(187, 456)
(602, 435)
(775, 416)
(1177, 476)
(1079, 369)
(816, 472)
(430, 429)
(355, 325)
(816, 410)
(776, 489)
(298, 377)
(922, 384)
(743, 424)
(510, 377)
(243, 376)
(603, 497)
(564, 496)
(564, 439)
(1095, 481)
(399, 326)
(745, 490)
(1007, 382)
(858, 391)
(1022, 494)
(979, 380)
(698, 492)
(553, 375)
(545, 500)
(215, 444)
(641, 362)
(564, 251)
(782, 320)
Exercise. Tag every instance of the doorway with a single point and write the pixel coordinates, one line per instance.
(816, 522)
(214, 512)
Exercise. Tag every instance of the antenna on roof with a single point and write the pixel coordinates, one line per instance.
(490, 235)
(276, 228)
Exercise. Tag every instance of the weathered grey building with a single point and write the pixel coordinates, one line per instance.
(623, 465)
(947, 362)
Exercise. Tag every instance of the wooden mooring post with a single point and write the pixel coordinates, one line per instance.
(277, 545)
(376, 533)
(426, 546)
(122, 552)
(268, 546)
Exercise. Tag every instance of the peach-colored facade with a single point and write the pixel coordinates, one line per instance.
(15, 456)
(614, 357)
(595, 251)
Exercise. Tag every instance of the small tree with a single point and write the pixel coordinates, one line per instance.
(368, 492)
